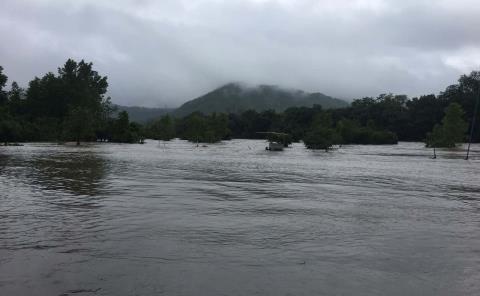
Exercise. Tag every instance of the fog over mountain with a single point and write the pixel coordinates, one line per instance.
(237, 98)
(164, 53)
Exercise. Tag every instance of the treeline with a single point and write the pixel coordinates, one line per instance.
(71, 106)
(68, 106)
(315, 126)
(440, 121)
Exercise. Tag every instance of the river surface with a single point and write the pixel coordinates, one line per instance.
(234, 219)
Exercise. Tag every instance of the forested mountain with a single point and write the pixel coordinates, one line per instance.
(143, 114)
(235, 98)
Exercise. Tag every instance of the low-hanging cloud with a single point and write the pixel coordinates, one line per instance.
(163, 53)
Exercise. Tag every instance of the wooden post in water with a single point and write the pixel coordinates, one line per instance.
(472, 128)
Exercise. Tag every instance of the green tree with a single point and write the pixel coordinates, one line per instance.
(124, 131)
(121, 130)
(321, 138)
(218, 127)
(451, 131)
(196, 126)
(322, 135)
(16, 99)
(435, 139)
(163, 129)
(454, 126)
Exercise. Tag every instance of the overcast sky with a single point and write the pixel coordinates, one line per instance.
(158, 53)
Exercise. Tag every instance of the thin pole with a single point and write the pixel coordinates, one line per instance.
(473, 123)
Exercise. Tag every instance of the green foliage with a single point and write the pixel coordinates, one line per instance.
(453, 125)
(16, 100)
(78, 125)
(72, 102)
(451, 131)
(205, 129)
(436, 137)
(322, 135)
(351, 132)
(285, 139)
(321, 138)
(124, 131)
(161, 129)
(9, 129)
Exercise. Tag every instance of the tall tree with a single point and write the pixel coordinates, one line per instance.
(16, 99)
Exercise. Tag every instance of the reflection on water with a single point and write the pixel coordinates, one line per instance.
(80, 172)
(234, 219)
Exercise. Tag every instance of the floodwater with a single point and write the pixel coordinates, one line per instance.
(234, 219)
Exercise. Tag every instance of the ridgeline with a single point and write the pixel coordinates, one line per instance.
(237, 98)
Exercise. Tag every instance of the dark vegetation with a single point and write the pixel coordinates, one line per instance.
(68, 106)
(236, 98)
(72, 106)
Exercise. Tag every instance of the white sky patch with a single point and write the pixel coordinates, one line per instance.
(464, 60)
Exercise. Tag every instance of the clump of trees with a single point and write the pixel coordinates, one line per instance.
(321, 135)
(161, 129)
(68, 106)
(121, 130)
(196, 127)
(203, 128)
(324, 133)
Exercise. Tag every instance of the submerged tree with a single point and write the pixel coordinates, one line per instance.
(321, 135)
(162, 129)
(451, 131)
(124, 131)
(321, 138)
(204, 129)
(435, 138)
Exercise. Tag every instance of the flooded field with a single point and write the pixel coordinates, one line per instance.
(234, 219)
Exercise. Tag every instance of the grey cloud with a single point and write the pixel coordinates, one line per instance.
(164, 53)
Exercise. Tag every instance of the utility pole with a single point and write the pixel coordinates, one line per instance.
(472, 128)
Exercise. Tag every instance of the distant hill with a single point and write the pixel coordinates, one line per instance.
(235, 98)
(143, 114)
